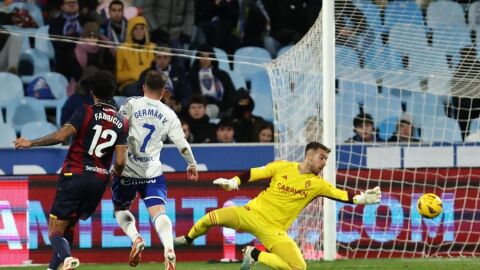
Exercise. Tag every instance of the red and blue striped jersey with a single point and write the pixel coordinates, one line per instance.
(99, 128)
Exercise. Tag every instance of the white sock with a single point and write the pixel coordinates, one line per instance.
(163, 226)
(127, 222)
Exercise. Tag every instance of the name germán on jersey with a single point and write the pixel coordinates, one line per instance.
(150, 112)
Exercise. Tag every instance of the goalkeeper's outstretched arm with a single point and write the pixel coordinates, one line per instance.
(254, 174)
(370, 196)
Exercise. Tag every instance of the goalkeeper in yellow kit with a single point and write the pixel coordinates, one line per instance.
(268, 216)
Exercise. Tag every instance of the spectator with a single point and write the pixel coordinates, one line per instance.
(225, 132)
(69, 25)
(198, 120)
(405, 131)
(465, 106)
(364, 129)
(265, 133)
(131, 63)
(214, 84)
(216, 23)
(172, 19)
(186, 131)
(351, 24)
(81, 96)
(246, 124)
(90, 54)
(178, 84)
(115, 28)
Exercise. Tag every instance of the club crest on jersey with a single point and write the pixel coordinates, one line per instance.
(308, 183)
(284, 177)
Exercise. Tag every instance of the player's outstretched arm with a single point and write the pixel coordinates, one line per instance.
(56, 137)
(370, 196)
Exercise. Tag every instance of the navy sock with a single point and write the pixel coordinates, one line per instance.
(60, 246)
(54, 261)
(69, 236)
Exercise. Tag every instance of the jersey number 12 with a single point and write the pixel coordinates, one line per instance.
(97, 148)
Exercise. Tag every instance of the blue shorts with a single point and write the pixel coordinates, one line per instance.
(153, 191)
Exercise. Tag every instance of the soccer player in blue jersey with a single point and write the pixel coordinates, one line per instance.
(150, 122)
(268, 216)
(98, 132)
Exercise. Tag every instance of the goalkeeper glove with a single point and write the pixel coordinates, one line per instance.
(227, 184)
(371, 196)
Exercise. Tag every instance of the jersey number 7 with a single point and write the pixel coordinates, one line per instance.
(147, 138)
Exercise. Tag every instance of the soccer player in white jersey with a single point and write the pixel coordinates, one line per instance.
(150, 121)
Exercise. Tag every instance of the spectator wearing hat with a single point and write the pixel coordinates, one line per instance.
(364, 129)
(225, 132)
(405, 130)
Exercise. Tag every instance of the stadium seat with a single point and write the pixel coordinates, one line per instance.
(261, 84)
(382, 59)
(222, 57)
(450, 39)
(441, 13)
(23, 32)
(359, 87)
(474, 15)
(346, 107)
(42, 43)
(372, 13)
(263, 105)
(8, 136)
(400, 38)
(474, 125)
(38, 129)
(24, 111)
(12, 88)
(387, 127)
(425, 107)
(402, 12)
(400, 81)
(441, 129)
(381, 107)
(344, 128)
(33, 9)
(58, 85)
(254, 55)
(237, 79)
(39, 61)
(345, 58)
(119, 100)
(284, 50)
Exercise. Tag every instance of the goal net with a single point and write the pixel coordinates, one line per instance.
(407, 107)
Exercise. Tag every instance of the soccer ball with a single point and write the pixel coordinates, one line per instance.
(429, 205)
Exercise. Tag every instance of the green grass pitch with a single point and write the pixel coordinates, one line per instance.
(370, 264)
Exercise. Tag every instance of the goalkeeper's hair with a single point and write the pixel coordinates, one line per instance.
(315, 146)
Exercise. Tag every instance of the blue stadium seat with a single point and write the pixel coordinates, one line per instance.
(237, 79)
(441, 129)
(260, 83)
(222, 57)
(381, 107)
(12, 88)
(372, 13)
(387, 127)
(402, 12)
(344, 127)
(8, 136)
(345, 58)
(24, 32)
(255, 55)
(474, 15)
(400, 37)
(24, 111)
(58, 85)
(425, 107)
(34, 130)
(359, 84)
(119, 100)
(474, 125)
(263, 105)
(450, 39)
(440, 13)
(382, 59)
(39, 60)
(284, 50)
(42, 43)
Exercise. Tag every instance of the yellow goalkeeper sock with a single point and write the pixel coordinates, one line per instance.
(273, 261)
(202, 225)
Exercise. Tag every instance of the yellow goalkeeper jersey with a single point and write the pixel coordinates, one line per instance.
(289, 192)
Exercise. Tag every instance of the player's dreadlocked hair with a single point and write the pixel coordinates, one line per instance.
(103, 84)
(315, 146)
